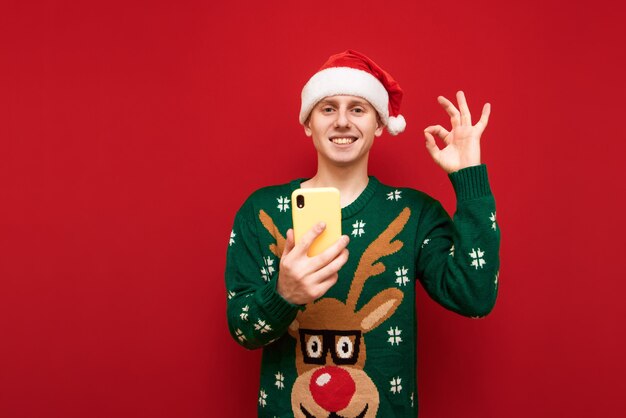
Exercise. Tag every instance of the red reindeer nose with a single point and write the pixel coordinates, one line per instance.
(332, 388)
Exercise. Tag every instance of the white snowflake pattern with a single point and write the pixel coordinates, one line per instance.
(426, 241)
(283, 203)
(262, 398)
(232, 238)
(262, 326)
(244, 313)
(477, 257)
(452, 251)
(395, 195)
(402, 279)
(268, 270)
(231, 294)
(396, 386)
(280, 380)
(412, 393)
(240, 336)
(492, 218)
(358, 228)
(394, 336)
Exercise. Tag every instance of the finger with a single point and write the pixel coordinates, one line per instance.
(307, 239)
(440, 132)
(455, 116)
(431, 145)
(484, 117)
(330, 269)
(328, 255)
(289, 243)
(324, 286)
(466, 117)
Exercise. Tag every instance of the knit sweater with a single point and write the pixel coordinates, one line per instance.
(353, 352)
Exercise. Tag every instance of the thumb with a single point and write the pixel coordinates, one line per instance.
(309, 237)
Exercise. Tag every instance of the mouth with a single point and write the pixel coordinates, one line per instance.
(307, 414)
(343, 140)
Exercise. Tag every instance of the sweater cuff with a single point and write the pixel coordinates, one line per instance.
(274, 305)
(471, 182)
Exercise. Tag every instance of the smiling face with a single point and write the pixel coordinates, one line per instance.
(343, 129)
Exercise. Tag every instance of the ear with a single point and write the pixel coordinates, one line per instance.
(380, 308)
(379, 127)
(293, 328)
(307, 127)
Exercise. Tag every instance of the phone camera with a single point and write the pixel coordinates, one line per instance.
(300, 201)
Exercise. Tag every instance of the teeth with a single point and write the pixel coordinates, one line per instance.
(342, 141)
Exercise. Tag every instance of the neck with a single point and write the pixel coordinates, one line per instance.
(350, 180)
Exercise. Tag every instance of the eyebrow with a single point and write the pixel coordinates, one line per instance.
(360, 102)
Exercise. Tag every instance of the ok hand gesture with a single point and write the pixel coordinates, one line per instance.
(462, 143)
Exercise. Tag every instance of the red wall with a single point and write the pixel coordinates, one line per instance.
(131, 131)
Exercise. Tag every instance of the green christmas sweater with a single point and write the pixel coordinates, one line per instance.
(352, 353)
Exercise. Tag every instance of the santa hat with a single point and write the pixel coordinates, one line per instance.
(352, 73)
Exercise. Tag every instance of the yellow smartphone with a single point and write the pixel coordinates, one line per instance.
(311, 206)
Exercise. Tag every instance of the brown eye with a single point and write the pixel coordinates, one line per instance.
(314, 346)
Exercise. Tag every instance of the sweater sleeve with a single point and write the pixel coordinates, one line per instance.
(257, 314)
(458, 259)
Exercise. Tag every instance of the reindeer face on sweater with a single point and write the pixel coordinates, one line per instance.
(330, 343)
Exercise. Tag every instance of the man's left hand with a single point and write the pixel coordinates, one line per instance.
(463, 141)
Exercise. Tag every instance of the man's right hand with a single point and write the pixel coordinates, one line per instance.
(303, 279)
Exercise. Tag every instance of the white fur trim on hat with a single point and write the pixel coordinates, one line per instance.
(345, 80)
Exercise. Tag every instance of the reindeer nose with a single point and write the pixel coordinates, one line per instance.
(332, 388)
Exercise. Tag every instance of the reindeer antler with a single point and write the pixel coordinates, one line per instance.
(380, 247)
(268, 223)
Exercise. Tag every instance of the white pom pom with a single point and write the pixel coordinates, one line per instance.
(396, 124)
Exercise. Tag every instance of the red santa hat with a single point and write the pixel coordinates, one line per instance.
(352, 73)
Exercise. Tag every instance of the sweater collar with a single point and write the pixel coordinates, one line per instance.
(358, 204)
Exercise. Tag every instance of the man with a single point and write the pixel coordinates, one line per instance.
(338, 330)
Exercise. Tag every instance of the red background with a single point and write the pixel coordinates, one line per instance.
(130, 133)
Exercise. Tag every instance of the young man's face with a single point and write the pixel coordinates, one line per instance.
(343, 129)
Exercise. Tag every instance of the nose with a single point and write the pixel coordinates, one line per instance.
(342, 120)
(332, 388)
